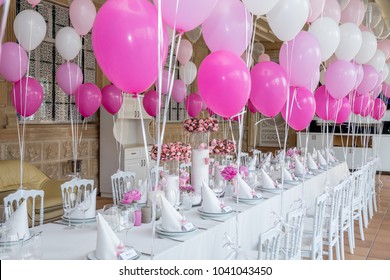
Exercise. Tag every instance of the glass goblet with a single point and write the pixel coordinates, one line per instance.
(84, 202)
(69, 204)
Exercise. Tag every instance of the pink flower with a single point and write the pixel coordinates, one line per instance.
(244, 171)
(131, 196)
(229, 172)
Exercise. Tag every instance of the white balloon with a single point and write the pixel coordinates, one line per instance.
(385, 72)
(350, 41)
(343, 3)
(316, 7)
(68, 43)
(194, 34)
(332, 9)
(185, 51)
(378, 61)
(29, 29)
(260, 7)
(327, 31)
(368, 49)
(188, 72)
(258, 49)
(288, 17)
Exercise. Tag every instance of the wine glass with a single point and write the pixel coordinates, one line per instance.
(84, 202)
(5, 226)
(126, 219)
(111, 215)
(33, 248)
(69, 203)
(218, 186)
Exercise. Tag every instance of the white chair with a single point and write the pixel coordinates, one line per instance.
(293, 234)
(346, 217)
(331, 234)
(244, 159)
(19, 196)
(154, 173)
(357, 202)
(312, 244)
(74, 185)
(370, 188)
(269, 243)
(120, 182)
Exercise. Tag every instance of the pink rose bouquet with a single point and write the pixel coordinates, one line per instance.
(229, 172)
(201, 125)
(131, 197)
(173, 151)
(187, 189)
(222, 147)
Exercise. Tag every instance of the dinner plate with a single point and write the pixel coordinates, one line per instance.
(212, 214)
(79, 221)
(276, 190)
(92, 256)
(161, 231)
(253, 200)
(292, 182)
(18, 241)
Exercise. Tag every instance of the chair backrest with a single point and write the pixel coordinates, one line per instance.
(269, 243)
(15, 199)
(244, 159)
(346, 200)
(75, 184)
(358, 186)
(318, 223)
(336, 195)
(294, 234)
(120, 182)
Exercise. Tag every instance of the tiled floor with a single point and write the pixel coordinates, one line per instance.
(376, 245)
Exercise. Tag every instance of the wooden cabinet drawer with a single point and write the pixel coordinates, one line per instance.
(133, 153)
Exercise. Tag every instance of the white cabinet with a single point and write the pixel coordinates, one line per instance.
(136, 161)
(130, 109)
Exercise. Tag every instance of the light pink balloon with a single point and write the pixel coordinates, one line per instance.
(150, 102)
(27, 96)
(301, 108)
(179, 91)
(69, 77)
(82, 15)
(369, 81)
(326, 106)
(112, 99)
(316, 7)
(362, 105)
(165, 79)
(384, 46)
(229, 27)
(344, 112)
(224, 83)
(364, 28)
(88, 99)
(300, 58)
(264, 57)
(353, 12)
(34, 2)
(190, 13)
(359, 74)
(313, 83)
(376, 91)
(378, 110)
(13, 62)
(386, 90)
(332, 9)
(340, 78)
(193, 104)
(125, 42)
(185, 51)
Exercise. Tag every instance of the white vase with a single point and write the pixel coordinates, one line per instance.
(171, 191)
(200, 172)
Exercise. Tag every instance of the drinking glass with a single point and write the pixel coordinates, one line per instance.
(32, 249)
(126, 219)
(84, 202)
(69, 204)
(218, 186)
(111, 215)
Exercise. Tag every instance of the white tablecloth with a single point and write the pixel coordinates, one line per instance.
(206, 242)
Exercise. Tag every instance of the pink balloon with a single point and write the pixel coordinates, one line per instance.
(340, 78)
(300, 58)
(204, 106)
(353, 12)
(269, 88)
(88, 98)
(112, 99)
(326, 106)
(69, 77)
(125, 42)
(150, 102)
(33, 2)
(386, 90)
(379, 109)
(332, 10)
(251, 107)
(185, 51)
(301, 108)
(316, 7)
(376, 91)
(13, 62)
(193, 104)
(190, 13)
(211, 113)
(359, 74)
(344, 112)
(362, 105)
(369, 81)
(82, 14)
(165, 79)
(229, 27)
(264, 57)
(179, 91)
(224, 83)
(384, 46)
(27, 96)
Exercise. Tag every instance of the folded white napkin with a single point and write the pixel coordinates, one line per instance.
(244, 191)
(287, 175)
(171, 219)
(267, 182)
(252, 163)
(90, 213)
(18, 222)
(311, 163)
(321, 159)
(329, 155)
(314, 153)
(299, 169)
(210, 203)
(143, 188)
(107, 242)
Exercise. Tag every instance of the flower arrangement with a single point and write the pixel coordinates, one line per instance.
(291, 152)
(131, 197)
(186, 189)
(222, 147)
(173, 151)
(229, 172)
(244, 171)
(201, 125)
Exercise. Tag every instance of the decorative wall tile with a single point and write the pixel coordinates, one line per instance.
(52, 170)
(89, 76)
(83, 149)
(51, 151)
(93, 167)
(61, 15)
(12, 151)
(1, 151)
(93, 148)
(33, 152)
(66, 150)
(89, 60)
(84, 169)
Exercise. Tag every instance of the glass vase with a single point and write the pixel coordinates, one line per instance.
(186, 201)
(171, 167)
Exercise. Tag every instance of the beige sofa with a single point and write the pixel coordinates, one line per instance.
(33, 178)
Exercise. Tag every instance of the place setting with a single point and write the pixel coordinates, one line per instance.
(268, 185)
(246, 194)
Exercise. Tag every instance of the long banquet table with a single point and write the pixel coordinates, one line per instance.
(208, 241)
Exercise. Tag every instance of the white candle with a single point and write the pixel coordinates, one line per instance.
(200, 172)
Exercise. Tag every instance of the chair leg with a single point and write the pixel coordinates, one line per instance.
(361, 227)
(365, 215)
(337, 245)
(341, 244)
(370, 208)
(330, 251)
(374, 201)
(350, 240)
